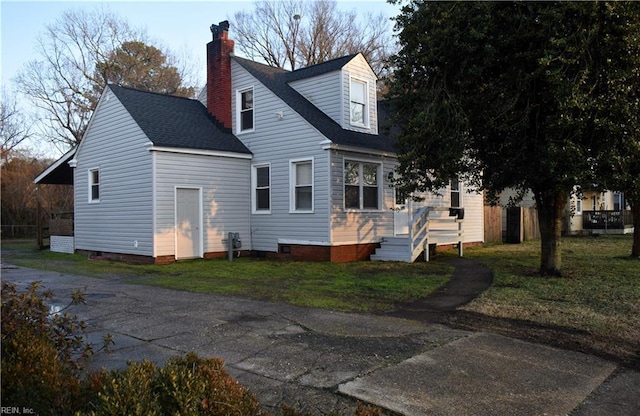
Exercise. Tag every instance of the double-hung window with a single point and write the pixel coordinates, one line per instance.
(261, 196)
(358, 103)
(579, 204)
(361, 185)
(245, 117)
(456, 197)
(94, 185)
(301, 179)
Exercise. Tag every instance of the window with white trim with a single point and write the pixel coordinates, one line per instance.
(301, 180)
(94, 185)
(579, 204)
(261, 196)
(245, 118)
(361, 185)
(358, 111)
(456, 195)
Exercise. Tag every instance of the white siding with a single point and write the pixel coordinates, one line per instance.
(351, 226)
(508, 194)
(528, 201)
(323, 91)
(116, 146)
(225, 194)
(473, 203)
(359, 69)
(574, 217)
(276, 142)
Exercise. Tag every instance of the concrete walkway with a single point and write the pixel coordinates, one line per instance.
(322, 362)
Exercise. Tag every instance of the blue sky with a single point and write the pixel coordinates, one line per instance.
(179, 25)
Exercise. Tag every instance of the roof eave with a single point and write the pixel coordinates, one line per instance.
(204, 152)
(329, 145)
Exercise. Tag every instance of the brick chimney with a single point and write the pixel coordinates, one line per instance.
(219, 52)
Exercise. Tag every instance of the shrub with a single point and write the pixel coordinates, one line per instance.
(41, 352)
(188, 385)
(367, 410)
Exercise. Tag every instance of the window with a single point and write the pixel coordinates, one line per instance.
(245, 109)
(94, 185)
(358, 103)
(579, 204)
(401, 197)
(301, 179)
(618, 201)
(456, 197)
(261, 179)
(361, 185)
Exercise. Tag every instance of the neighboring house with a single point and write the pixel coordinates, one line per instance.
(598, 212)
(590, 212)
(294, 162)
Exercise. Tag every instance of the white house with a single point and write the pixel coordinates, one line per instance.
(292, 161)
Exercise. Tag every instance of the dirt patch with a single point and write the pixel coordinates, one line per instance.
(611, 348)
(470, 279)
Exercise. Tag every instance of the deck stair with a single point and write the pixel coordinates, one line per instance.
(429, 225)
(393, 249)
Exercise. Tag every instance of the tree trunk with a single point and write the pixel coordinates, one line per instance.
(551, 205)
(635, 213)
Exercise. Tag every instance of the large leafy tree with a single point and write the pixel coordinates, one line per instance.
(616, 105)
(138, 65)
(502, 93)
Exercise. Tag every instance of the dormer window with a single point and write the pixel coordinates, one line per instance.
(358, 103)
(245, 109)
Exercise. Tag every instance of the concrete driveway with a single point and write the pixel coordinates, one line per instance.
(323, 362)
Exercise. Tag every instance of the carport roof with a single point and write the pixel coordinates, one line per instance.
(58, 173)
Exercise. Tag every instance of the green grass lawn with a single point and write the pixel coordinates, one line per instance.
(598, 294)
(355, 287)
(599, 291)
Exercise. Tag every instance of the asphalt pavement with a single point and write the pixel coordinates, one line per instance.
(324, 362)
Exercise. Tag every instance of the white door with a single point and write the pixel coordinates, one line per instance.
(400, 215)
(188, 220)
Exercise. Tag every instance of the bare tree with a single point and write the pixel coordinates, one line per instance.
(294, 34)
(14, 129)
(64, 84)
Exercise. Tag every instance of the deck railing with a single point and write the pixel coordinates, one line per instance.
(418, 232)
(606, 219)
(449, 230)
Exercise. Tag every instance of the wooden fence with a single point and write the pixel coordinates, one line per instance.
(492, 224)
(512, 225)
(530, 223)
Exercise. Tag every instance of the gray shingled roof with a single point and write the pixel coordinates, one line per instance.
(319, 69)
(277, 80)
(170, 121)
